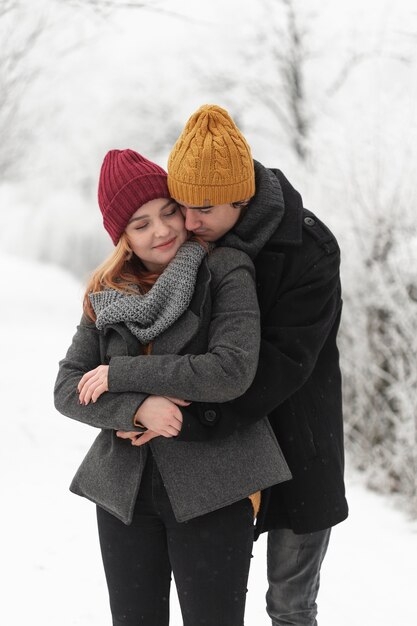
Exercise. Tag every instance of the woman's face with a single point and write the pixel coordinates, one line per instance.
(155, 232)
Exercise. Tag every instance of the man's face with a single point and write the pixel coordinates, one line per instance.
(210, 223)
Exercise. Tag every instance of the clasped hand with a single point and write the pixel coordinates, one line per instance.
(160, 415)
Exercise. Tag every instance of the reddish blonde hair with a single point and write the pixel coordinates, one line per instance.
(120, 271)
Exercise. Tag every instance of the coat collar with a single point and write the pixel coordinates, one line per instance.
(289, 232)
(261, 219)
(274, 215)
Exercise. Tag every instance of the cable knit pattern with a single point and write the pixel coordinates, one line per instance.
(148, 315)
(211, 162)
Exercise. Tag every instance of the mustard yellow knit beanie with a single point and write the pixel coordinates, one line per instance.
(211, 163)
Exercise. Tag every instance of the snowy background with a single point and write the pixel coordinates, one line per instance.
(326, 91)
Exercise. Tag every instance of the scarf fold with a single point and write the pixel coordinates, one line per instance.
(262, 217)
(148, 315)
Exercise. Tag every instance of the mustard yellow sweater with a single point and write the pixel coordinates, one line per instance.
(255, 498)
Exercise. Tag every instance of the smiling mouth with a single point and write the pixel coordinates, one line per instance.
(166, 244)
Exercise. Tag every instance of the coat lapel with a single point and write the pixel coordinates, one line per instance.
(177, 336)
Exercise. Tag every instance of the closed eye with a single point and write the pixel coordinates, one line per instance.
(172, 212)
(199, 209)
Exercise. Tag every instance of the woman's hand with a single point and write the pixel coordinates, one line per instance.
(93, 384)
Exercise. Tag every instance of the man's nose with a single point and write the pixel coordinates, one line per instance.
(192, 220)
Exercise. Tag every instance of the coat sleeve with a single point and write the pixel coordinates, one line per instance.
(112, 410)
(228, 367)
(293, 334)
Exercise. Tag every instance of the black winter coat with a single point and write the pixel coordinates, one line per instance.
(298, 381)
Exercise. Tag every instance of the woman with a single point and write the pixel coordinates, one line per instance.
(167, 318)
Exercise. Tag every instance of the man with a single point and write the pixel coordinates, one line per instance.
(228, 198)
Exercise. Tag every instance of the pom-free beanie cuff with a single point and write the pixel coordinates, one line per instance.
(129, 198)
(210, 195)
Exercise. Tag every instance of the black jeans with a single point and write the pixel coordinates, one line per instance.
(209, 556)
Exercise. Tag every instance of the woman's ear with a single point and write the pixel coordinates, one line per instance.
(129, 251)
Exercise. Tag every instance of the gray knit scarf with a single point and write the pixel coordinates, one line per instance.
(148, 315)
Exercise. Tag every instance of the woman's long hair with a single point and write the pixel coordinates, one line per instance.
(120, 271)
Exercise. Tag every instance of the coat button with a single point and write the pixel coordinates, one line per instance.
(309, 221)
(210, 415)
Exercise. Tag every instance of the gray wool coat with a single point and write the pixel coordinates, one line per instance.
(209, 354)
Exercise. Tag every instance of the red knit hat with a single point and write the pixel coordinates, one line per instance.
(127, 181)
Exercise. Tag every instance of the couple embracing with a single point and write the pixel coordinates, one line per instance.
(207, 357)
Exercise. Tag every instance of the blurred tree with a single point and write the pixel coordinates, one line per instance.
(19, 39)
(25, 57)
(291, 73)
(288, 47)
(379, 343)
(286, 97)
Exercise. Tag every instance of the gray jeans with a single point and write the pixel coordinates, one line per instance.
(294, 563)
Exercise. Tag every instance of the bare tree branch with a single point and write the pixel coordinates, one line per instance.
(6, 6)
(289, 102)
(112, 5)
(357, 59)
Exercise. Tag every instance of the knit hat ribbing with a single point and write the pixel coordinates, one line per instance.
(211, 162)
(127, 181)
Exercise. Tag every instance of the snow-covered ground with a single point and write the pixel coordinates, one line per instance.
(51, 561)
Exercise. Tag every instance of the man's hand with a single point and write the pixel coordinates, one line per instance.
(156, 405)
(93, 384)
(161, 415)
(137, 439)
